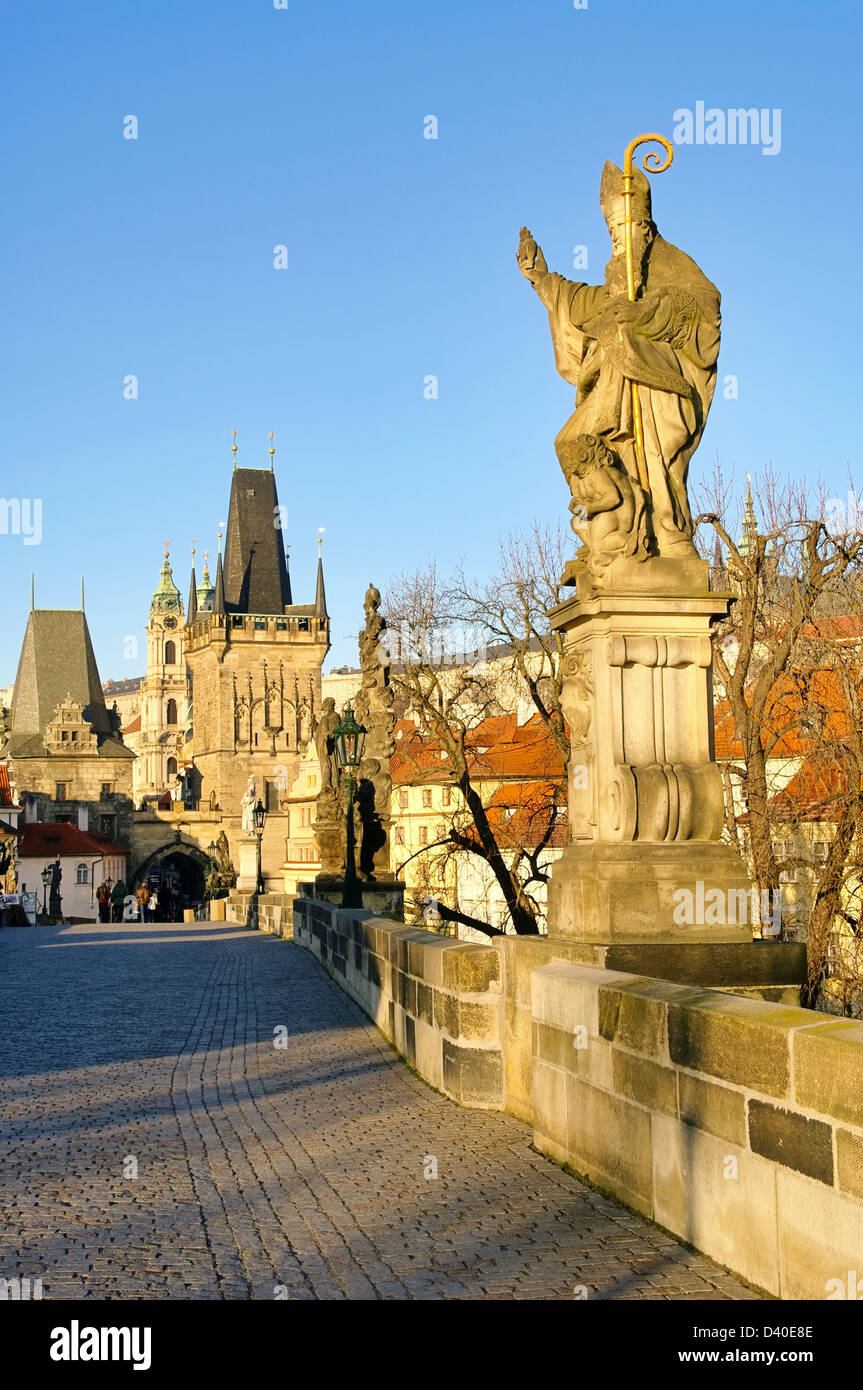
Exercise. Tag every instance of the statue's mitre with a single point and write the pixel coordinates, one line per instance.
(611, 192)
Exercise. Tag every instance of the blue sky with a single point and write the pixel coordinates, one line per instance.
(303, 127)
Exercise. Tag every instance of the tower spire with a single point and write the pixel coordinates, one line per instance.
(320, 593)
(750, 525)
(192, 609)
(219, 596)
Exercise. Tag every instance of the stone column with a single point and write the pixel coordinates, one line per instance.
(645, 795)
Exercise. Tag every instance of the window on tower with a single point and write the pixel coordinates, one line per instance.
(170, 654)
(172, 767)
(171, 712)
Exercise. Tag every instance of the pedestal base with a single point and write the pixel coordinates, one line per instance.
(384, 897)
(646, 892)
(247, 879)
(771, 969)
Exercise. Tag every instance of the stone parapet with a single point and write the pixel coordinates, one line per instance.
(267, 912)
(436, 999)
(734, 1123)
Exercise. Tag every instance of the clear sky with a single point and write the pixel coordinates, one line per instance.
(303, 127)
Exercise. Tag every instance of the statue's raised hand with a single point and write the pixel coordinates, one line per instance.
(531, 261)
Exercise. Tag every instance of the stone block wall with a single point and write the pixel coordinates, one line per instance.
(436, 999)
(735, 1123)
(267, 912)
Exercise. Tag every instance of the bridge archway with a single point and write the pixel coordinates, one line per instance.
(177, 868)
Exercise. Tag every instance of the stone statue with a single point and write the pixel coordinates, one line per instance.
(247, 803)
(374, 709)
(609, 508)
(55, 902)
(325, 746)
(221, 874)
(667, 341)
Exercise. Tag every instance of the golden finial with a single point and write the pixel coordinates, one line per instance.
(321, 530)
(234, 447)
(220, 540)
(271, 450)
(166, 543)
(194, 543)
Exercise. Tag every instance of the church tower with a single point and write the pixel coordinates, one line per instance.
(164, 691)
(255, 666)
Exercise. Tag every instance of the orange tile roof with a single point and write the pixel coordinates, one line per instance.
(50, 839)
(793, 696)
(814, 793)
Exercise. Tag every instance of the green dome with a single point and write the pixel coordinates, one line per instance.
(166, 599)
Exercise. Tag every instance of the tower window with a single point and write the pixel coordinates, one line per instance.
(172, 767)
(170, 654)
(171, 712)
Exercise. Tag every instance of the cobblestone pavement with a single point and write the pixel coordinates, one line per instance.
(269, 1171)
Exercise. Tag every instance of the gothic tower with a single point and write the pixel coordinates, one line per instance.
(164, 691)
(255, 666)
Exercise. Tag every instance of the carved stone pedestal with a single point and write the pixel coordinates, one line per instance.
(645, 795)
(247, 880)
(385, 897)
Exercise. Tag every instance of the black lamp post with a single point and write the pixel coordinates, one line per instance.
(47, 874)
(260, 816)
(349, 738)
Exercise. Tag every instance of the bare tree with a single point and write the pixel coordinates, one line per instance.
(788, 575)
(446, 633)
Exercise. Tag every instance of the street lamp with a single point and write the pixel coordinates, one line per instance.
(47, 874)
(260, 817)
(349, 738)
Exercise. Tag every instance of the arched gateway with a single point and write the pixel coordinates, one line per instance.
(176, 867)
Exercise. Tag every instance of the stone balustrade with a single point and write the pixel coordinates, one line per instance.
(733, 1122)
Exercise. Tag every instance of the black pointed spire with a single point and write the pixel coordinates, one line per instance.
(192, 609)
(320, 593)
(255, 571)
(219, 596)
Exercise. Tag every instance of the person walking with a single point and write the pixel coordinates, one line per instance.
(154, 906)
(118, 895)
(142, 894)
(103, 899)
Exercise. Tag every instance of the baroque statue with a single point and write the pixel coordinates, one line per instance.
(641, 351)
(247, 802)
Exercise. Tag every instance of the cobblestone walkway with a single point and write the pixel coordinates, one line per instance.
(268, 1171)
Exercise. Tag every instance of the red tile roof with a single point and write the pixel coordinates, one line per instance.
(53, 839)
(5, 790)
(528, 814)
(814, 793)
(498, 749)
(134, 727)
(818, 692)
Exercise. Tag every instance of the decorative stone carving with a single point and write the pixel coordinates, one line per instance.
(69, 733)
(664, 337)
(373, 708)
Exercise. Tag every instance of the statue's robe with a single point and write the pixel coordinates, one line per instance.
(669, 349)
